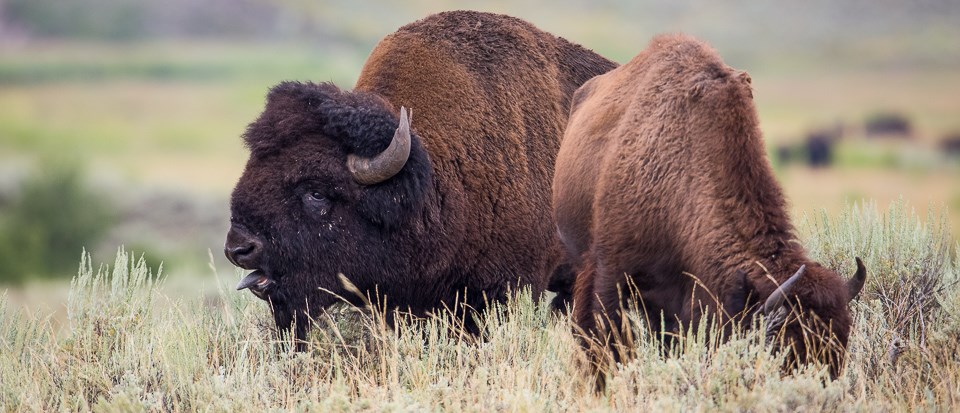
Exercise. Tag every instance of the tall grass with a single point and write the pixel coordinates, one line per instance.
(907, 258)
(130, 348)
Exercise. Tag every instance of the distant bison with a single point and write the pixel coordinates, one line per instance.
(445, 205)
(950, 144)
(819, 147)
(662, 187)
(888, 125)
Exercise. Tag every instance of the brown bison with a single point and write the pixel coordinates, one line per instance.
(662, 188)
(444, 205)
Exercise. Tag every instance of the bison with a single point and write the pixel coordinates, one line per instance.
(427, 185)
(663, 192)
(888, 125)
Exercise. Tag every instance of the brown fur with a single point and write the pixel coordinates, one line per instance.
(662, 177)
(466, 218)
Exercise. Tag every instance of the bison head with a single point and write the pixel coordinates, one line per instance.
(812, 318)
(336, 183)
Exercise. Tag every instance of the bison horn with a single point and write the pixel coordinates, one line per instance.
(386, 164)
(855, 284)
(780, 294)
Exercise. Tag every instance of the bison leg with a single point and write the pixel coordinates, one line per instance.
(598, 312)
(592, 339)
(561, 282)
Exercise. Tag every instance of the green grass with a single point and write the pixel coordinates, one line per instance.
(128, 347)
(173, 61)
(161, 114)
(54, 215)
(186, 103)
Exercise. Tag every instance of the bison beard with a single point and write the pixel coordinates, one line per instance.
(447, 209)
(662, 193)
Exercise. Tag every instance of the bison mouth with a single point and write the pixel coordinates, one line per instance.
(258, 282)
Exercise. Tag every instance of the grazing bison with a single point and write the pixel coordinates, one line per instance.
(444, 205)
(662, 188)
(950, 145)
(819, 146)
(888, 125)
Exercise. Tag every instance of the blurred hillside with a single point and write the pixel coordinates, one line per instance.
(859, 32)
(149, 98)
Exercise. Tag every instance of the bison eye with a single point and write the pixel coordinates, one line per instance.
(315, 203)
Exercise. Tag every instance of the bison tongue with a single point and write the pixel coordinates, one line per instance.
(255, 280)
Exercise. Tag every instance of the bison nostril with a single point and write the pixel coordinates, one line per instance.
(238, 254)
(242, 248)
(245, 255)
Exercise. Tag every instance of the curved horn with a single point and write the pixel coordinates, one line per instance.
(386, 164)
(780, 294)
(855, 284)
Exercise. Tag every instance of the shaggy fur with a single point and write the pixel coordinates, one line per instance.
(662, 179)
(468, 216)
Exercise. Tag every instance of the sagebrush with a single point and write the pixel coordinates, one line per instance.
(130, 348)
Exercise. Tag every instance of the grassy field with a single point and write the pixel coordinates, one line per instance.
(128, 346)
(170, 114)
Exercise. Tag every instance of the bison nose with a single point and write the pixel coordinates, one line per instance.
(242, 248)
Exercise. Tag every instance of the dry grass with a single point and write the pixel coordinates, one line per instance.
(131, 348)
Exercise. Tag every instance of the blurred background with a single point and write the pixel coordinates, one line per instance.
(120, 120)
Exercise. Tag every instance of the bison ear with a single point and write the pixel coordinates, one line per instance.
(383, 166)
(736, 299)
(393, 201)
(582, 94)
(744, 77)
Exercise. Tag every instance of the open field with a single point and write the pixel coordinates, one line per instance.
(791, 103)
(831, 190)
(128, 346)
